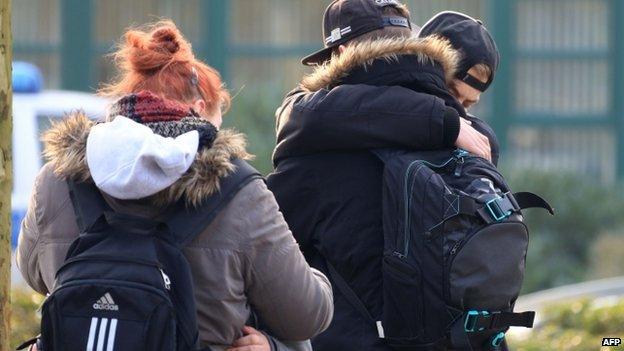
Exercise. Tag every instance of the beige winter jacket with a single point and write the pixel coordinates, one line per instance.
(246, 257)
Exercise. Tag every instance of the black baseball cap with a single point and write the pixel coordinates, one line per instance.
(348, 19)
(470, 36)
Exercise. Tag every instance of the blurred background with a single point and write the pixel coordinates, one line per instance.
(557, 107)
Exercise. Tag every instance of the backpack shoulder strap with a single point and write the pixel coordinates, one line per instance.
(348, 293)
(89, 204)
(186, 223)
(341, 284)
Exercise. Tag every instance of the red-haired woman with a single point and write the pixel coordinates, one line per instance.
(161, 144)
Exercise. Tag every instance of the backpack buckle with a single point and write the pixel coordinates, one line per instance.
(477, 321)
(497, 340)
(500, 208)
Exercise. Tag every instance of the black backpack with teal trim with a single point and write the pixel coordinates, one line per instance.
(455, 246)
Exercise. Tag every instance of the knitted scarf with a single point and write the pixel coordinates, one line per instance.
(164, 117)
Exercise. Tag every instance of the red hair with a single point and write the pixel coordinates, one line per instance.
(158, 58)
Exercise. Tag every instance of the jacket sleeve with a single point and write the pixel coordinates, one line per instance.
(361, 116)
(293, 300)
(485, 129)
(29, 239)
(292, 186)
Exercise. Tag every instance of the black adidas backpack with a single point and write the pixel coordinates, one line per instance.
(454, 253)
(125, 284)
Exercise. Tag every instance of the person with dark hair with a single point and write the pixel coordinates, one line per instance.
(376, 85)
(161, 146)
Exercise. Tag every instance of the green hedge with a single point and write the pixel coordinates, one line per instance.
(562, 248)
(576, 326)
(24, 315)
(253, 113)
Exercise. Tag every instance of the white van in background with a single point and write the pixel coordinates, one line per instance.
(33, 111)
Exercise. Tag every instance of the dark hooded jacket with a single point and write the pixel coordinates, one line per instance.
(379, 94)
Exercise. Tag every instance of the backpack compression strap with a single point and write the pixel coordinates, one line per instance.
(348, 293)
(501, 207)
(186, 223)
(495, 210)
(478, 321)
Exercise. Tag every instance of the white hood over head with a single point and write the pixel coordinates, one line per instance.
(128, 161)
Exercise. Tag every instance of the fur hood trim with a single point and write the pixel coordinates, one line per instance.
(428, 49)
(65, 145)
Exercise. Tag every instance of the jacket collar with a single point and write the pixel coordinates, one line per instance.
(65, 148)
(389, 59)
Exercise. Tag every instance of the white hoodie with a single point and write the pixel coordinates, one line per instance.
(128, 161)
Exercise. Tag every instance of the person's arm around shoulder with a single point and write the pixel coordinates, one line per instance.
(294, 301)
(362, 117)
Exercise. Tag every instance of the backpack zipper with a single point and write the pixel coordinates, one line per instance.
(108, 258)
(166, 279)
(455, 248)
(460, 166)
(459, 156)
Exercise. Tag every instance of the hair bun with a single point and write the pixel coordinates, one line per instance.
(157, 58)
(148, 51)
(167, 38)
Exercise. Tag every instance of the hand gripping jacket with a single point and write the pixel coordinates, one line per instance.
(125, 284)
(455, 247)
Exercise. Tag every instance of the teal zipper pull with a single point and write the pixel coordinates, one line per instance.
(460, 154)
(459, 167)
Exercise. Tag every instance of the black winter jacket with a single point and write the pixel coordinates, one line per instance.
(359, 112)
(327, 182)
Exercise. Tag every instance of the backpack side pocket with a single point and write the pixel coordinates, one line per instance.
(403, 300)
(488, 270)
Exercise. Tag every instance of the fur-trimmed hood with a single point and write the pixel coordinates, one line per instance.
(429, 49)
(65, 145)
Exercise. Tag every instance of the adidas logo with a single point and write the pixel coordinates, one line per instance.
(106, 302)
